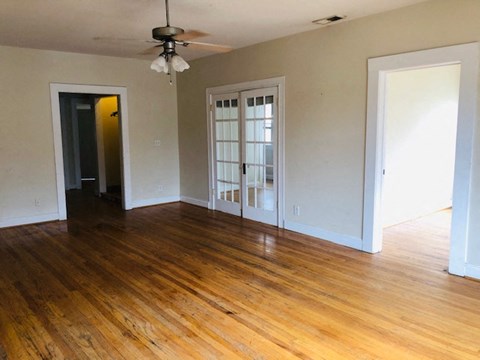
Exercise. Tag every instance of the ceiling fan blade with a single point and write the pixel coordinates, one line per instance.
(150, 50)
(190, 35)
(113, 39)
(207, 46)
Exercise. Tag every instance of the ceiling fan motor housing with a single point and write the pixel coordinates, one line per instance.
(166, 32)
(169, 47)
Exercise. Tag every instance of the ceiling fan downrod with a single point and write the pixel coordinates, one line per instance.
(165, 33)
(167, 12)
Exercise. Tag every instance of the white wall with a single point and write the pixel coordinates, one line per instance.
(420, 130)
(27, 165)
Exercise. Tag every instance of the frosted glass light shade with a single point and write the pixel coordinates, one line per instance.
(159, 65)
(179, 64)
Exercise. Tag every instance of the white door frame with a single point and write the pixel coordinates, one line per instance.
(121, 92)
(467, 55)
(279, 83)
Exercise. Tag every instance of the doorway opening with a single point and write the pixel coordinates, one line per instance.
(91, 142)
(466, 57)
(246, 150)
(421, 110)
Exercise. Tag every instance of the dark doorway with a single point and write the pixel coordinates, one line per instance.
(91, 145)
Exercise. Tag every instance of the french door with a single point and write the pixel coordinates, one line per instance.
(245, 154)
(227, 149)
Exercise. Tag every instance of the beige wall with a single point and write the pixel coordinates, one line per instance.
(326, 87)
(27, 165)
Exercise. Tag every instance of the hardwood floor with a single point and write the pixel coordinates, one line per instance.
(181, 282)
(423, 242)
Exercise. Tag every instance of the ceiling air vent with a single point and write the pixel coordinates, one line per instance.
(328, 20)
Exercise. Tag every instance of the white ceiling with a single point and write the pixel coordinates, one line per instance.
(73, 25)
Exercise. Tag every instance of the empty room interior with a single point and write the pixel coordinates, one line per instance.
(239, 179)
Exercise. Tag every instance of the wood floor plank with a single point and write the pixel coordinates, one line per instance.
(181, 282)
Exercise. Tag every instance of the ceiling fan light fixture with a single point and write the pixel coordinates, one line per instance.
(178, 64)
(160, 64)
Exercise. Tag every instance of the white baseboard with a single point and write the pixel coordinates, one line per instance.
(194, 201)
(155, 201)
(28, 220)
(322, 234)
(472, 271)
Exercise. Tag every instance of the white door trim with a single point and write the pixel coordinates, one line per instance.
(55, 90)
(467, 55)
(278, 82)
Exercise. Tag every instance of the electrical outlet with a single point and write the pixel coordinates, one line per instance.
(37, 202)
(296, 210)
(157, 142)
(160, 188)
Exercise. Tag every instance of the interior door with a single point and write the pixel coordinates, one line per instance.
(70, 141)
(226, 135)
(259, 154)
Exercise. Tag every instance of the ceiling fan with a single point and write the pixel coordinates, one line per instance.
(168, 37)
